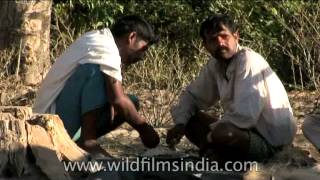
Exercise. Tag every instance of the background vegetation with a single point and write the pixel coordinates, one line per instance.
(286, 33)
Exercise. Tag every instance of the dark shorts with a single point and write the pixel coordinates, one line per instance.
(260, 149)
(83, 92)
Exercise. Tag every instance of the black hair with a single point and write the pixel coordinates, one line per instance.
(133, 23)
(214, 24)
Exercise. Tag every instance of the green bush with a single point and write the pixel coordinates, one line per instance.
(285, 32)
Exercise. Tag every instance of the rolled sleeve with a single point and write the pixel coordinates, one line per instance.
(112, 72)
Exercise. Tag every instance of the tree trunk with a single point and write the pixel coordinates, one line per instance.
(32, 146)
(25, 26)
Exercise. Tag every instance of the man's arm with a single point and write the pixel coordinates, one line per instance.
(121, 103)
(126, 109)
(200, 94)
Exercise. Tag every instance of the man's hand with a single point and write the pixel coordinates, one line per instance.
(148, 135)
(174, 135)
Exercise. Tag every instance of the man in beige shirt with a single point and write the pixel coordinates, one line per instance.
(257, 119)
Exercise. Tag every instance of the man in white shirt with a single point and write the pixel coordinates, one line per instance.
(84, 84)
(257, 120)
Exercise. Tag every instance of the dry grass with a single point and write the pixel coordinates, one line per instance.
(159, 79)
(11, 86)
(7, 58)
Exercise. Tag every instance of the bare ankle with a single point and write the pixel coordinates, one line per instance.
(93, 147)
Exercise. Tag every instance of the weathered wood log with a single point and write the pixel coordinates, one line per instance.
(35, 144)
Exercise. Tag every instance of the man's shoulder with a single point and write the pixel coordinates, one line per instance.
(97, 34)
(250, 53)
(99, 41)
(250, 57)
(212, 64)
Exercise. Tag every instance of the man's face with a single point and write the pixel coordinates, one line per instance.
(223, 44)
(135, 49)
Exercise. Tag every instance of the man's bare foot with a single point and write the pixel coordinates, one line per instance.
(94, 148)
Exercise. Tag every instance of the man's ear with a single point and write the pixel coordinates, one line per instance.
(132, 37)
(236, 35)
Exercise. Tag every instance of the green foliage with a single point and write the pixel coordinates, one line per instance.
(300, 22)
(88, 14)
(285, 32)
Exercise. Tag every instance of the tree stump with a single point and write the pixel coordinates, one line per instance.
(34, 145)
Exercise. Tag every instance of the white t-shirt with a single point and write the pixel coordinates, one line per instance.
(95, 47)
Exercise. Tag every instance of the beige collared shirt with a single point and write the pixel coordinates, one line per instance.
(251, 95)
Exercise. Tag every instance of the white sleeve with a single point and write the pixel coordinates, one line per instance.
(112, 71)
(102, 50)
(199, 95)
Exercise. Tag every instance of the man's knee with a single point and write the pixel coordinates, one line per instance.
(200, 122)
(225, 133)
(195, 128)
